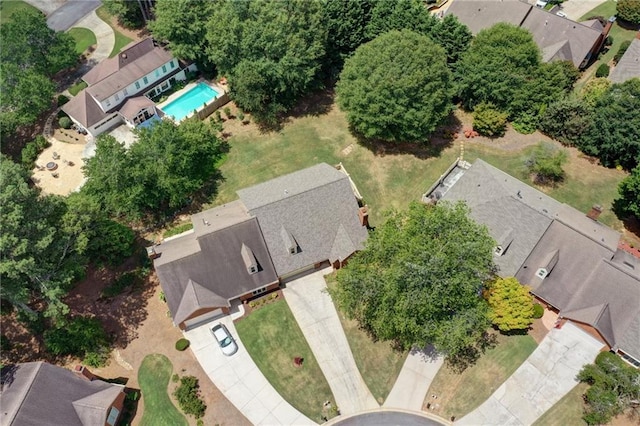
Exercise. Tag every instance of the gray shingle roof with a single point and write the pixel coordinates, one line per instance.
(84, 109)
(37, 393)
(481, 14)
(207, 271)
(629, 65)
(311, 205)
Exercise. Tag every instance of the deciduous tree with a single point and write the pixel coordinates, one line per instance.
(419, 279)
(629, 10)
(452, 35)
(628, 202)
(566, 120)
(396, 87)
(511, 304)
(388, 15)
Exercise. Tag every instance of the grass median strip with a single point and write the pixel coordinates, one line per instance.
(121, 39)
(84, 39)
(273, 339)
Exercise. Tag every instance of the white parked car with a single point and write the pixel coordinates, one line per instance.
(561, 14)
(541, 3)
(224, 339)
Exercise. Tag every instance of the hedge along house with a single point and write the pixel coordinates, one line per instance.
(119, 89)
(278, 229)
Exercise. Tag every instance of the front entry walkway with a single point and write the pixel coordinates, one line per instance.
(240, 380)
(316, 315)
(541, 381)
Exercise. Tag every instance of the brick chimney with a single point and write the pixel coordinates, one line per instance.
(363, 214)
(83, 372)
(595, 212)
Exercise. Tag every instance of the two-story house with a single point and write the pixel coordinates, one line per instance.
(119, 89)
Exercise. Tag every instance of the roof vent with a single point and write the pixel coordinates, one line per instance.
(124, 56)
(205, 222)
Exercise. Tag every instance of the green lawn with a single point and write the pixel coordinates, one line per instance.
(567, 411)
(121, 39)
(273, 339)
(459, 394)
(153, 376)
(9, 7)
(378, 363)
(76, 88)
(84, 38)
(178, 229)
(391, 180)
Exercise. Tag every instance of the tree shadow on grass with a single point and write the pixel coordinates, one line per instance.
(443, 137)
(470, 355)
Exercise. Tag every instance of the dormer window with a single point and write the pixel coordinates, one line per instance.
(504, 242)
(253, 269)
(542, 273)
(498, 251)
(249, 259)
(289, 241)
(548, 263)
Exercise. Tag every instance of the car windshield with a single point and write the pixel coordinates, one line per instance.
(225, 342)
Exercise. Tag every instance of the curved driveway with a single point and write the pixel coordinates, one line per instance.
(105, 37)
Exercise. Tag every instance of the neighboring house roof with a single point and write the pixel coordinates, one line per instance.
(37, 393)
(312, 213)
(206, 270)
(629, 65)
(132, 107)
(84, 109)
(558, 38)
(590, 283)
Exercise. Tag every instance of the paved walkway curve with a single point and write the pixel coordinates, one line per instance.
(240, 380)
(316, 315)
(105, 36)
(541, 381)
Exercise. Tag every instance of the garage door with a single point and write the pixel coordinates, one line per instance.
(201, 319)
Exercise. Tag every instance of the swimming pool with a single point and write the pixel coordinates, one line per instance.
(193, 99)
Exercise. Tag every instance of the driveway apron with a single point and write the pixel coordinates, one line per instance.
(316, 315)
(414, 380)
(541, 381)
(105, 36)
(240, 380)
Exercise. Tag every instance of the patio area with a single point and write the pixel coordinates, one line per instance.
(65, 175)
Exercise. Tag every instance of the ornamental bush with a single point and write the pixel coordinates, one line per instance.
(65, 122)
(629, 10)
(602, 71)
(182, 344)
(545, 163)
(188, 396)
(489, 121)
(538, 311)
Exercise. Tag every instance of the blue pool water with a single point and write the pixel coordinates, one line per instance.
(187, 102)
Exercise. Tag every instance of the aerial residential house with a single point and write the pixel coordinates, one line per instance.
(120, 88)
(573, 263)
(38, 393)
(629, 65)
(278, 229)
(557, 37)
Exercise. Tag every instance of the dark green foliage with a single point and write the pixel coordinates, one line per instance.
(182, 344)
(453, 36)
(97, 358)
(78, 336)
(272, 51)
(25, 95)
(566, 120)
(412, 68)
(602, 71)
(125, 281)
(614, 385)
(128, 12)
(628, 10)
(628, 202)
(620, 53)
(29, 155)
(112, 242)
(5, 344)
(64, 122)
(188, 396)
(388, 15)
(62, 99)
(419, 278)
(614, 133)
(538, 311)
(488, 121)
(545, 163)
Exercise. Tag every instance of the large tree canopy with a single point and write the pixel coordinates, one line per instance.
(284, 39)
(614, 133)
(628, 202)
(388, 15)
(419, 279)
(511, 304)
(396, 87)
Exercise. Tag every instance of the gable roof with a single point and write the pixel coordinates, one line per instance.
(629, 65)
(208, 270)
(84, 109)
(131, 108)
(311, 205)
(37, 393)
(558, 38)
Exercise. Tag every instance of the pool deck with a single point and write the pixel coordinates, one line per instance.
(217, 87)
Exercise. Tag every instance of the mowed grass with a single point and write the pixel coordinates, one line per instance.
(121, 39)
(76, 88)
(567, 411)
(273, 339)
(153, 376)
(460, 393)
(391, 180)
(84, 38)
(9, 7)
(377, 362)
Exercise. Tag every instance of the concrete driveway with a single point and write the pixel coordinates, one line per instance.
(64, 17)
(577, 8)
(240, 380)
(541, 381)
(316, 315)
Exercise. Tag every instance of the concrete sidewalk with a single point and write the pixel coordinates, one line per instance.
(413, 382)
(541, 381)
(105, 37)
(316, 315)
(240, 380)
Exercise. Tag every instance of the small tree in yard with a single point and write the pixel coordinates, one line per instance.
(545, 163)
(628, 203)
(602, 71)
(511, 304)
(488, 121)
(188, 396)
(629, 10)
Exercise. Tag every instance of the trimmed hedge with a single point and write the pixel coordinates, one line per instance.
(602, 71)
(182, 344)
(538, 311)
